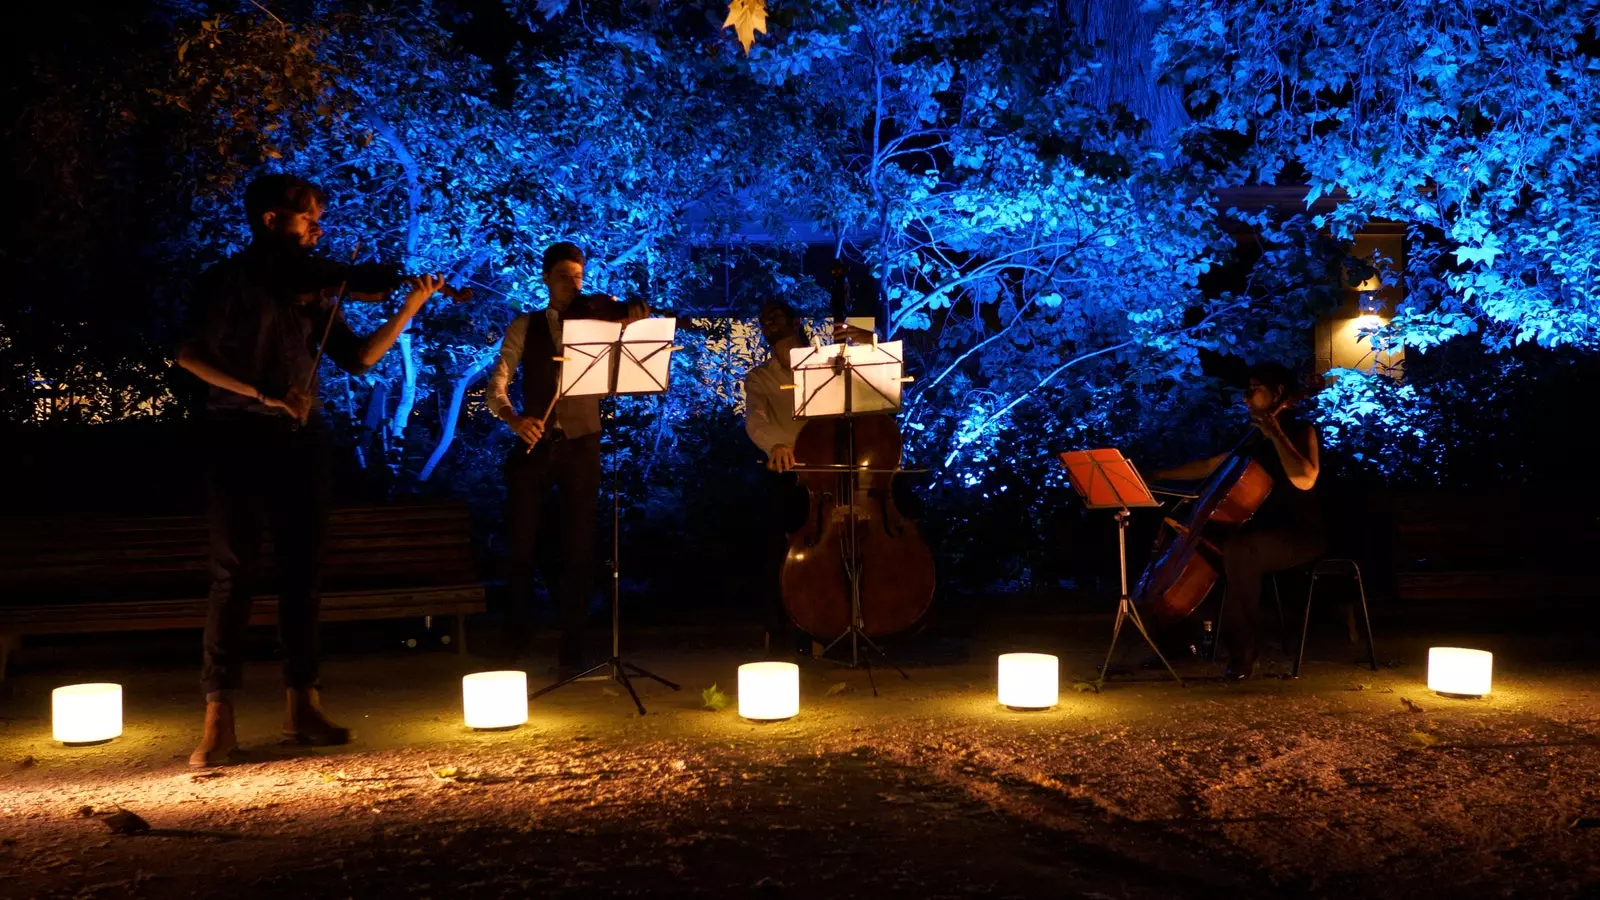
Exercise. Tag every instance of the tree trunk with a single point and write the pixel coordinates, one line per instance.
(1123, 35)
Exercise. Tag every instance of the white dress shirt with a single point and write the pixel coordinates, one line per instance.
(505, 368)
(768, 408)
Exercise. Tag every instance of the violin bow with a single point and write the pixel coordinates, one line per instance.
(327, 328)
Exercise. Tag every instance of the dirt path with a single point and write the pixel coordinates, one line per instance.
(1326, 786)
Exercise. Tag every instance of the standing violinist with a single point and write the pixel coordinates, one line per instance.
(1287, 531)
(557, 459)
(255, 327)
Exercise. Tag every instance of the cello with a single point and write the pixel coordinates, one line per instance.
(1186, 561)
(857, 563)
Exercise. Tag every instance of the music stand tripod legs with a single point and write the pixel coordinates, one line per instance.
(856, 632)
(1126, 611)
(619, 667)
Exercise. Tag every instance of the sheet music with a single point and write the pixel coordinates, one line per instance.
(645, 364)
(588, 346)
(874, 379)
(876, 371)
(818, 390)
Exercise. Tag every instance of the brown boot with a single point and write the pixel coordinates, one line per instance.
(220, 738)
(303, 720)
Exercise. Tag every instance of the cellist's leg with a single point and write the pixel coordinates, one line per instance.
(1243, 563)
(1248, 557)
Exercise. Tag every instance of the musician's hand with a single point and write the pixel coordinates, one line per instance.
(637, 310)
(527, 428)
(852, 334)
(423, 287)
(781, 459)
(296, 403)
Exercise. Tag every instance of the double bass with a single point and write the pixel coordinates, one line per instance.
(855, 542)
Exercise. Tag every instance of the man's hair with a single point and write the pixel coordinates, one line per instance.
(783, 307)
(1278, 377)
(274, 192)
(565, 251)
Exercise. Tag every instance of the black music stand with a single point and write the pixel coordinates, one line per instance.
(613, 362)
(845, 381)
(1106, 480)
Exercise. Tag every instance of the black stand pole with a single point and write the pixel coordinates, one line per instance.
(619, 668)
(856, 631)
(1125, 608)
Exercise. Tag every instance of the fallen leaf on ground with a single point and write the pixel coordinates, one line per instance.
(1423, 739)
(714, 699)
(838, 688)
(1083, 687)
(1412, 705)
(1360, 687)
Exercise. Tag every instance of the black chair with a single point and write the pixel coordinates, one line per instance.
(1324, 568)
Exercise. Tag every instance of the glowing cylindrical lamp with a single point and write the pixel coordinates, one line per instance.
(1028, 680)
(86, 713)
(1460, 672)
(495, 700)
(769, 690)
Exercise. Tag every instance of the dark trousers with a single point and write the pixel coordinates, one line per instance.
(1249, 556)
(551, 495)
(263, 473)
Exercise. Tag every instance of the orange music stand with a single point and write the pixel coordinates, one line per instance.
(1105, 479)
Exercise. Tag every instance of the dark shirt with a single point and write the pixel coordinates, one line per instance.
(247, 318)
(1287, 507)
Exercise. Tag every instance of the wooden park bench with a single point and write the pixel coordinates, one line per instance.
(1500, 546)
(82, 575)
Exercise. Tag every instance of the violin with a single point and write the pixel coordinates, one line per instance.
(853, 526)
(368, 282)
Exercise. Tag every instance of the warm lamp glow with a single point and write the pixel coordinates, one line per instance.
(1369, 320)
(1464, 673)
(769, 690)
(495, 699)
(86, 713)
(1028, 680)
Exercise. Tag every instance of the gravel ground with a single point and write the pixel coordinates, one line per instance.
(1343, 783)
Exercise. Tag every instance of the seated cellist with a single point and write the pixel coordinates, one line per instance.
(1287, 530)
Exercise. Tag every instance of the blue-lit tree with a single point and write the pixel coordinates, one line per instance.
(1477, 125)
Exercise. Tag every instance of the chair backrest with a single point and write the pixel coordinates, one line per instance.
(66, 559)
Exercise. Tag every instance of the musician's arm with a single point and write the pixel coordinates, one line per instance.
(192, 359)
(1302, 465)
(207, 331)
(1191, 471)
(498, 395)
(613, 310)
(759, 423)
(378, 343)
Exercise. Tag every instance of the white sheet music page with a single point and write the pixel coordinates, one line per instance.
(587, 346)
(876, 370)
(818, 391)
(646, 356)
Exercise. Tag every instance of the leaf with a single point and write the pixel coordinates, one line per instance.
(838, 688)
(746, 18)
(714, 699)
(1411, 705)
(1423, 739)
